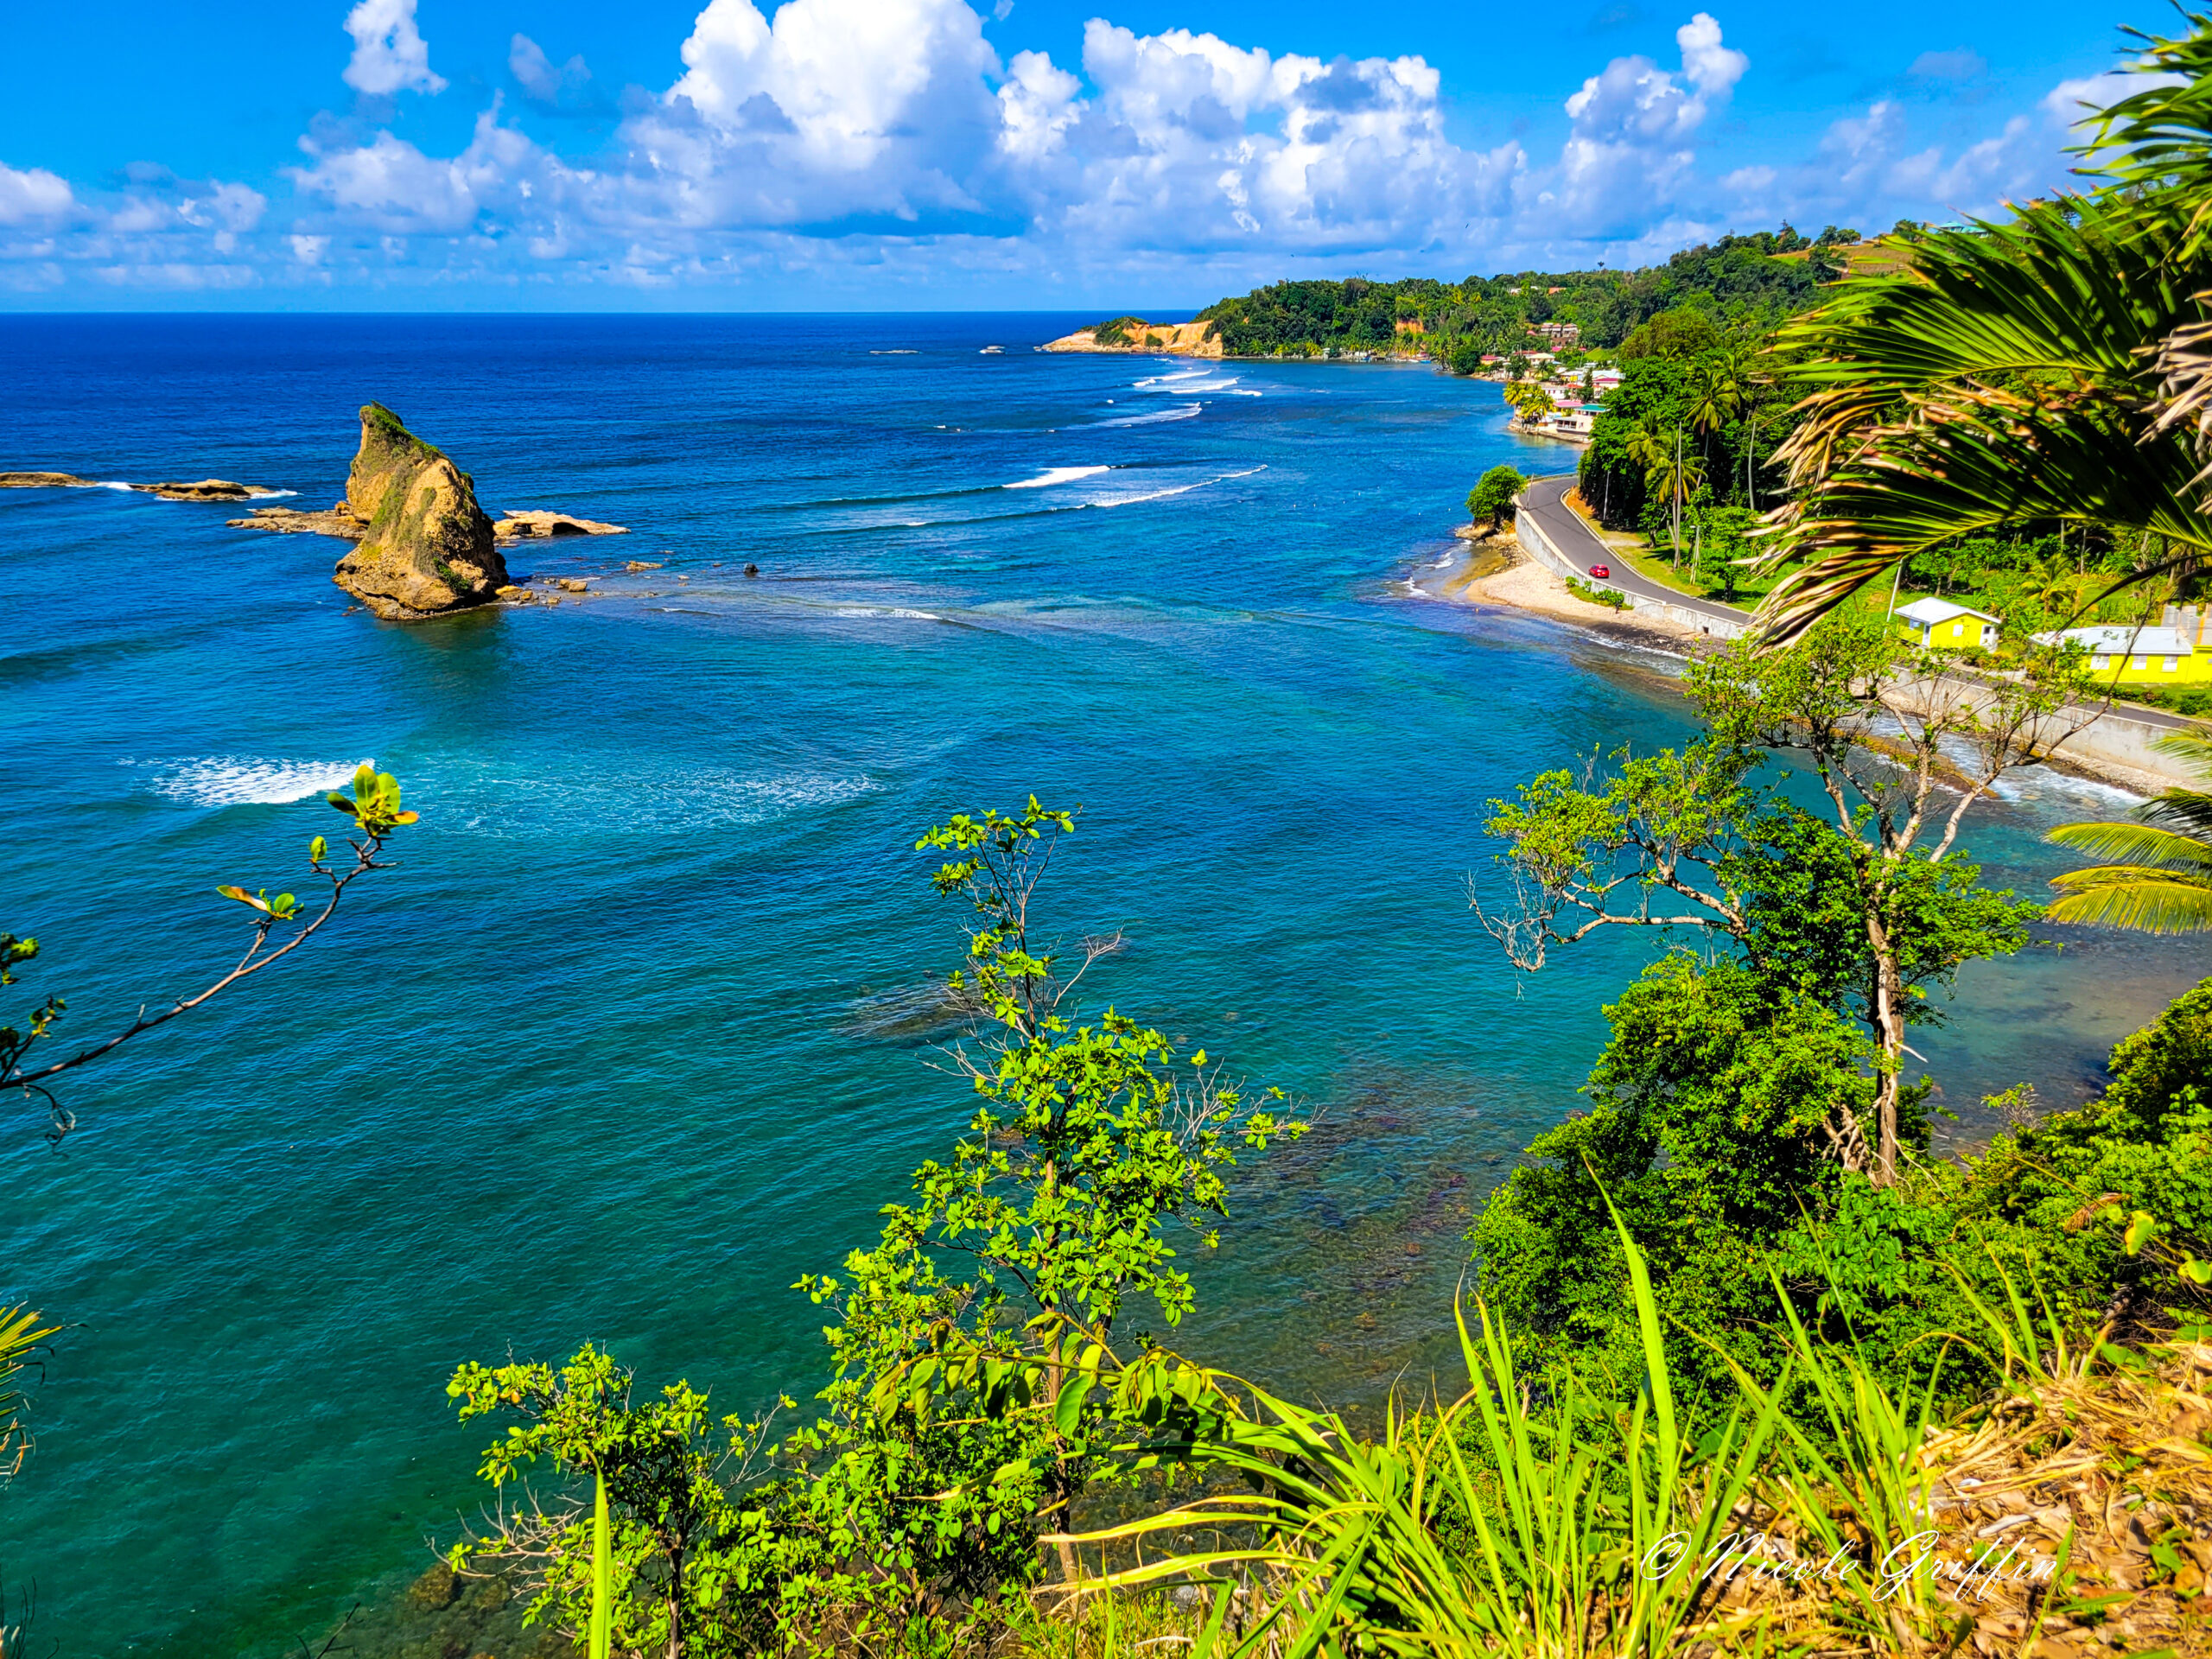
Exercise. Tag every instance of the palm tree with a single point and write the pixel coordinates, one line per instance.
(2055, 366)
(1667, 470)
(2161, 880)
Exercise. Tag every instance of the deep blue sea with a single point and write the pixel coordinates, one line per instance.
(621, 1051)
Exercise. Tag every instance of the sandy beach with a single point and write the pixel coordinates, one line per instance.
(1520, 583)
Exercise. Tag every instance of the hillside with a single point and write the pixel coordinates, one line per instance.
(1752, 281)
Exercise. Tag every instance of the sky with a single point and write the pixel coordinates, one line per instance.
(955, 155)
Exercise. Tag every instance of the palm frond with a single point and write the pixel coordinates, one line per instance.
(2000, 380)
(2135, 844)
(2141, 901)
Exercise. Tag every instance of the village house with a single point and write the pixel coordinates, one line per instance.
(1939, 624)
(2173, 653)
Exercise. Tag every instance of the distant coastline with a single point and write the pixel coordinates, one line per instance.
(1133, 337)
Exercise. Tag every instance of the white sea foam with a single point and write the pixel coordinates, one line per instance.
(1053, 475)
(887, 610)
(625, 803)
(1171, 381)
(115, 484)
(1177, 489)
(1177, 412)
(234, 780)
(2033, 784)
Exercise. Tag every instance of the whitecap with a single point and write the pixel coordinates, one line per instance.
(886, 610)
(1053, 475)
(234, 780)
(1176, 412)
(1179, 489)
(621, 803)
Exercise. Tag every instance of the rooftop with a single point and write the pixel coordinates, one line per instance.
(1930, 611)
(2125, 640)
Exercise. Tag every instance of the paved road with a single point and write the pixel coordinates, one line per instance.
(1564, 529)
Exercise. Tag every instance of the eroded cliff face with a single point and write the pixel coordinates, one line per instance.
(426, 547)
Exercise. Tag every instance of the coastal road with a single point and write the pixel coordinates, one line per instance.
(1564, 529)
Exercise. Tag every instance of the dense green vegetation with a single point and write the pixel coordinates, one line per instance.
(1738, 282)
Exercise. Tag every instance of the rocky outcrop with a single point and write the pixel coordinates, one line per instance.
(337, 521)
(533, 522)
(207, 489)
(1134, 334)
(425, 546)
(45, 481)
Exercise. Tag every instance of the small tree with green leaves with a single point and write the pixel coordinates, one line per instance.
(1870, 901)
(975, 1372)
(1495, 495)
(694, 1570)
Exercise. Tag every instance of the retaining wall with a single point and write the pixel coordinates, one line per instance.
(2114, 740)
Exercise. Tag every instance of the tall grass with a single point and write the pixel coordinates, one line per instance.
(1527, 1520)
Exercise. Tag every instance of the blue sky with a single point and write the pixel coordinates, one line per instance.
(959, 153)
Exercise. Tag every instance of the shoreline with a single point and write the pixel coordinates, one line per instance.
(1520, 583)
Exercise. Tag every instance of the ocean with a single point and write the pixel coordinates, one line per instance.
(630, 1042)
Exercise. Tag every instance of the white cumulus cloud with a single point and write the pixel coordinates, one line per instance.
(1633, 141)
(389, 54)
(33, 195)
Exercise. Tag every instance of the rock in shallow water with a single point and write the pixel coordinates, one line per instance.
(535, 522)
(426, 547)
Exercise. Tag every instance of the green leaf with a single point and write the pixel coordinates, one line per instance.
(602, 1574)
(1067, 1410)
(2140, 1228)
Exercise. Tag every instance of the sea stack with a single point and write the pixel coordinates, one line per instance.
(426, 547)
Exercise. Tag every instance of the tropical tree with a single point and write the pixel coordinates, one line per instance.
(2160, 878)
(2055, 366)
(1494, 494)
(1861, 906)
(1667, 470)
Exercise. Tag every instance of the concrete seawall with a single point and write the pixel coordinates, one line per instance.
(2115, 745)
(1697, 621)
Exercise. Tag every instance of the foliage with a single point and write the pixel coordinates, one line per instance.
(21, 1335)
(2161, 880)
(1492, 1524)
(1851, 906)
(1683, 332)
(1715, 1109)
(375, 809)
(1495, 494)
(964, 1403)
(682, 1553)
(1737, 282)
(2051, 368)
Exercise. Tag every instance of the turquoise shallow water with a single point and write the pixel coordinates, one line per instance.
(618, 1054)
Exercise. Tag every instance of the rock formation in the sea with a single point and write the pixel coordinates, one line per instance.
(207, 489)
(425, 546)
(45, 481)
(1134, 334)
(532, 523)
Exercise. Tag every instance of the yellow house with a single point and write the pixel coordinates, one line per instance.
(1938, 624)
(2173, 653)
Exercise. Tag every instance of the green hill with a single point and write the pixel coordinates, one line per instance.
(1739, 280)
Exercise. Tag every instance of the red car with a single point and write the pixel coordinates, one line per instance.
(1603, 572)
